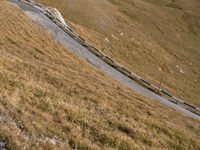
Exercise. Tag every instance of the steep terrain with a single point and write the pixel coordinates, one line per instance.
(51, 99)
(159, 40)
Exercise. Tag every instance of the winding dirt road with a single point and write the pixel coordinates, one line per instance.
(75, 47)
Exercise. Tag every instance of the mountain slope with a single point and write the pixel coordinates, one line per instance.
(50, 99)
(155, 39)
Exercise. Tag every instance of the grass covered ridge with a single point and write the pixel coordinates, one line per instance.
(50, 99)
(146, 36)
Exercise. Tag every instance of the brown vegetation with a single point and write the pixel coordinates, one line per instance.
(146, 36)
(50, 99)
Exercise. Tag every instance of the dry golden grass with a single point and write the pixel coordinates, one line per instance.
(50, 99)
(144, 35)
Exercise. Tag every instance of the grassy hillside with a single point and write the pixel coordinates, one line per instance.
(153, 38)
(50, 99)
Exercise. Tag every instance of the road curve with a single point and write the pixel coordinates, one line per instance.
(75, 47)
